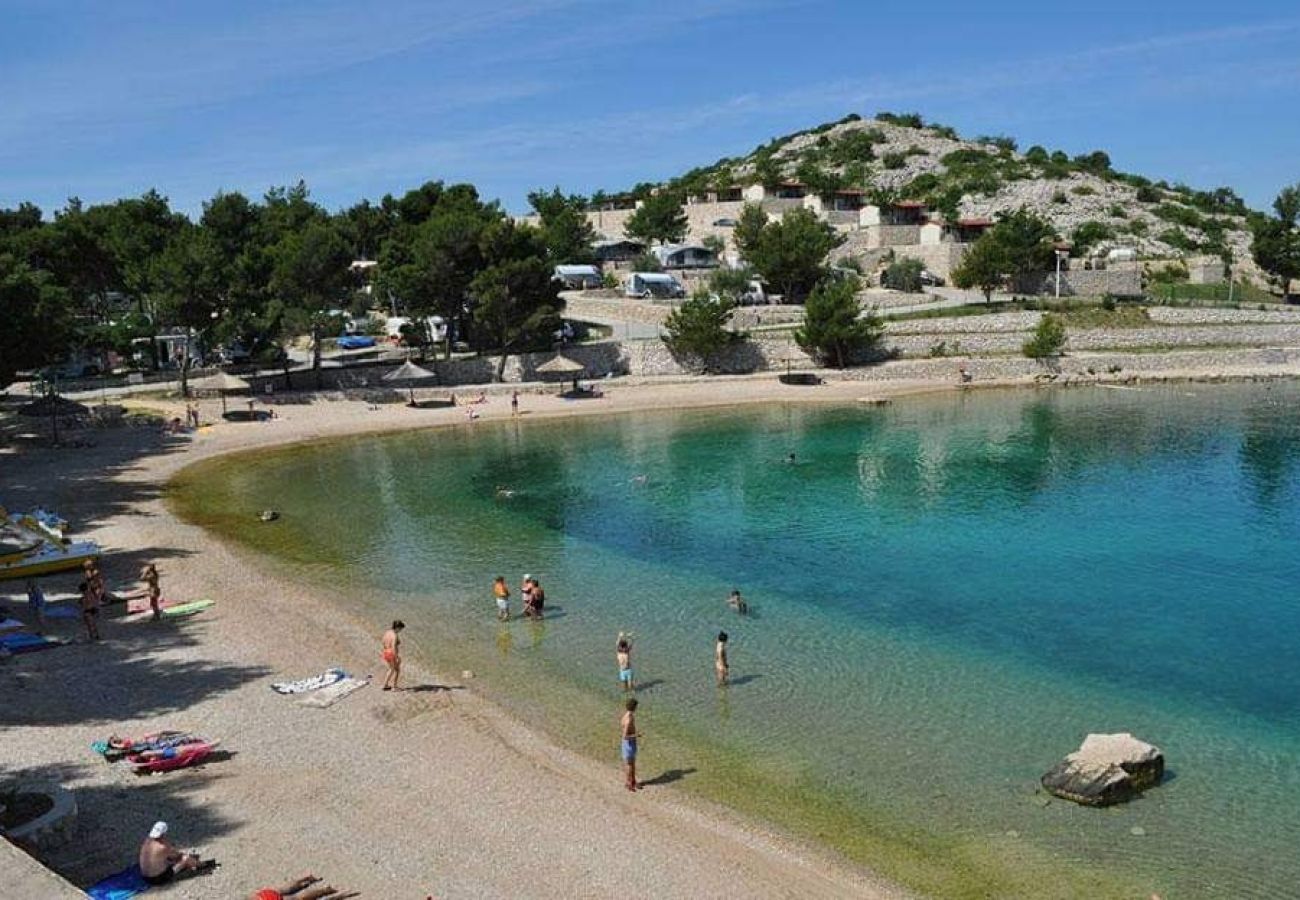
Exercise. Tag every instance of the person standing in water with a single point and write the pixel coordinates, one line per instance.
(623, 655)
(720, 667)
(392, 654)
(502, 595)
(627, 739)
(737, 602)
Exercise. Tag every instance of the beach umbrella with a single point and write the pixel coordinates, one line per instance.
(53, 405)
(408, 373)
(222, 383)
(560, 366)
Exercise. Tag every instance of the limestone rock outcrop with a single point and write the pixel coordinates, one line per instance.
(1106, 769)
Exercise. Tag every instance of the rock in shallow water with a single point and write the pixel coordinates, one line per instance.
(1106, 769)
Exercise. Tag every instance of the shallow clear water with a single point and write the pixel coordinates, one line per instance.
(947, 594)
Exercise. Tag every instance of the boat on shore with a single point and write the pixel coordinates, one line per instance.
(33, 544)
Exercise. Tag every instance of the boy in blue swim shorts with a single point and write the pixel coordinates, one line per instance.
(628, 737)
(623, 655)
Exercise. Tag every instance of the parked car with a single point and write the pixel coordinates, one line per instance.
(355, 342)
(929, 279)
(725, 223)
(643, 285)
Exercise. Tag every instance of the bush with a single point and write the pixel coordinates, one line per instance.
(1090, 233)
(1048, 339)
(647, 262)
(904, 275)
(1108, 303)
(1147, 194)
(1083, 190)
(697, 330)
(1059, 197)
(1117, 211)
(904, 120)
(893, 160)
(940, 349)
(834, 330)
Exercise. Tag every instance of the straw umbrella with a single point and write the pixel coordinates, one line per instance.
(408, 373)
(562, 367)
(53, 405)
(222, 382)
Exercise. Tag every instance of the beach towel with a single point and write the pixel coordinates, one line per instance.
(314, 683)
(159, 741)
(187, 609)
(10, 624)
(171, 758)
(28, 643)
(122, 886)
(141, 604)
(328, 696)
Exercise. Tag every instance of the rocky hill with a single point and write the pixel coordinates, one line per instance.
(900, 157)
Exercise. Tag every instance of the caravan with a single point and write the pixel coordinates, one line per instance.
(645, 285)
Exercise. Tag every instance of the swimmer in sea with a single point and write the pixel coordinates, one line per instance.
(737, 602)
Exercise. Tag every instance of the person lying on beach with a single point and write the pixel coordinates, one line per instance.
(628, 736)
(720, 667)
(623, 656)
(391, 654)
(737, 602)
(160, 861)
(502, 595)
(302, 889)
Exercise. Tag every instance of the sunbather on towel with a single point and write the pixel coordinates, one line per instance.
(302, 889)
(161, 862)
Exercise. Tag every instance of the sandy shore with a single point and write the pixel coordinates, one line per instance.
(431, 792)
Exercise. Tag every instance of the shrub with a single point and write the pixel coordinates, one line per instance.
(1090, 233)
(697, 330)
(1108, 303)
(1179, 240)
(647, 262)
(1083, 190)
(1117, 211)
(1147, 194)
(940, 349)
(834, 330)
(904, 275)
(1059, 197)
(1048, 339)
(904, 120)
(893, 160)
(945, 131)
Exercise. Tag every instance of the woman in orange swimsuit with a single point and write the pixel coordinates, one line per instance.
(391, 654)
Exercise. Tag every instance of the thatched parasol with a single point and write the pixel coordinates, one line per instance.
(408, 373)
(53, 405)
(222, 383)
(562, 368)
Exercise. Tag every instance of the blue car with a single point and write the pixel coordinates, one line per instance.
(355, 342)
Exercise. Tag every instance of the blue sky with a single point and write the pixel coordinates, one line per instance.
(108, 98)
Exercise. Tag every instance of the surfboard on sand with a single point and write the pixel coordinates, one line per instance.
(187, 609)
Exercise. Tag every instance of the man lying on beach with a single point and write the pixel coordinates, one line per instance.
(391, 654)
(302, 889)
(628, 737)
(623, 655)
(160, 861)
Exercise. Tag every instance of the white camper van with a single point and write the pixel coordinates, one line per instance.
(644, 285)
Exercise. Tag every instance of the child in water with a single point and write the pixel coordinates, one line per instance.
(502, 595)
(623, 655)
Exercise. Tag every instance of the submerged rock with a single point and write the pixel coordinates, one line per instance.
(1106, 769)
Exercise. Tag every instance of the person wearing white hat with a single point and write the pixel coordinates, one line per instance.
(160, 861)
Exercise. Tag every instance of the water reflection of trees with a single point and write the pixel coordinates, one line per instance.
(1270, 449)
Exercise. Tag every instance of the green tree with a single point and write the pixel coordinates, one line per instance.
(697, 329)
(1048, 338)
(904, 275)
(34, 313)
(660, 219)
(311, 276)
(984, 267)
(789, 254)
(187, 287)
(516, 302)
(1026, 242)
(1276, 240)
(835, 330)
(565, 228)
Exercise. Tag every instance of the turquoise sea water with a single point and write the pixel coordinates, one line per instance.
(947, 594)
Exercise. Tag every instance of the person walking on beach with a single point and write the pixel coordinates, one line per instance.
(628, 736)
(392, 655)
(720, 667)
(89, 606)
(623, 655)
(149, 575)
(502, 595)
(36, 601)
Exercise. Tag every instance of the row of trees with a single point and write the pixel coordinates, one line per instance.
(93, 279)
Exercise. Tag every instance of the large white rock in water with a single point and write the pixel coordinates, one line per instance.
(1106, 769)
